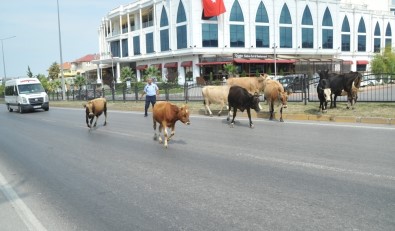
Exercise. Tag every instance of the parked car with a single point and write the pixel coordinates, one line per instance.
(293, 82)
(369, 80)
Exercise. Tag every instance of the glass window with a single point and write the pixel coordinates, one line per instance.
(261, 14)
(147, 19)
(285, 16)
(164, 40)
(361, 26)
(388, 30)
(307, 19)
(136, 45)
(377, 30)
(149, 42)
(210, 35)
(181, 16)
(164, 21)
(377, 44)
(361, 42)
(346, 25)
(327, 20)
(345, 42)
(115, 49)
(209, 18)
(286, 37)
(307, 37)
(125, 48)
(236, 35)
(262, 36)
(388, 42)
(181, 37)
(236, 14)
(327, 39)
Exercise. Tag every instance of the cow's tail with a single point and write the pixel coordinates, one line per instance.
(357, 81)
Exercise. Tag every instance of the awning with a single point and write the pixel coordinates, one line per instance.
(171, 65)
(348, 62)
(141, 67)
(158, 65)
(212, 63)
(186, 64)
(362, 62)
(264, 60)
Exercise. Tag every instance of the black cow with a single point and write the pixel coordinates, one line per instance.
(239, 98)
(324, 93)
(347, 82)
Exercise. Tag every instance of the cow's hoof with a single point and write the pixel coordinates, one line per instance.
(211, 115)
(227, 119)
(105, 123)
(251, 126)
(232, 125)
(281, 120)
(155, 137)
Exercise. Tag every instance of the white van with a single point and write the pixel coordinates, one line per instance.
(26, 94)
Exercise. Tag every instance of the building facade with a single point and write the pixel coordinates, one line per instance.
(271, 36)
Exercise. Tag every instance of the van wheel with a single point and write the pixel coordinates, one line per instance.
(46, 109)
(9, 108)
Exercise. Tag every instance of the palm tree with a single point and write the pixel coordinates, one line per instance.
(79, 80)
(127, 74)
(153, 72)
(230, 69)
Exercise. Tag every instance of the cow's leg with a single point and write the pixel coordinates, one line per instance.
(87, 121)
(232, 123)
(334, 101)
(154, 126)
(165, 132)
(281, 114)
(207, 107)
(331, 102)
(271, 110)
(97, 117)
(105, 116)
(160, 133)
(91, 121)
(249, 117)
(222, 107)
(172, 132)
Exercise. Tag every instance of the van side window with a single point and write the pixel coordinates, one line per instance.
(9, 90)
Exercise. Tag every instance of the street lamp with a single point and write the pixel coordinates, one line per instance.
(2, 50)
(61, 58)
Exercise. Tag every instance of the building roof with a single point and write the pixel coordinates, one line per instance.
(86, 58)
(67, 66)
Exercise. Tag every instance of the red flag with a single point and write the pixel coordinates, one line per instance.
(213, 8)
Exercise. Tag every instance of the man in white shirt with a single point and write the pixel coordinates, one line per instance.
(151, 91)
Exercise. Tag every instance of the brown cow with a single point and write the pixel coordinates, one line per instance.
(216, 95)
(251, 84)
(95, 108)
(274, 92)
(167, 114)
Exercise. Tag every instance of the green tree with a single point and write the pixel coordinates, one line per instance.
(127, 73)
(230, 69)
(44, 81)
(53, 71)
(153, 72)
(384, 63)
(80, 81)
(29, 72)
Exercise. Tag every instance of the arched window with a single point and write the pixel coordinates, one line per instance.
(210, 31)
(307, 29)
(361, 35)
(181, 27)
(262, 27)
(285, 28)
(346, 35)
(327, 30)
(164, 32)
(236, 32)
(164, 21)
(388, 35)
(377, 38)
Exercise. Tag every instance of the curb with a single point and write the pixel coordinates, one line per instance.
(325, 118)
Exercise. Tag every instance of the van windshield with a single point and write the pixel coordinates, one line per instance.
(30, 88)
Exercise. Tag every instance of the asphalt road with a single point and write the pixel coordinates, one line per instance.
(56, 175)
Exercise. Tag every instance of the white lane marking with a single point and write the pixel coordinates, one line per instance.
(317, 166)
(27, 216)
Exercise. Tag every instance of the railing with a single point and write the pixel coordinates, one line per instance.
(374, 88)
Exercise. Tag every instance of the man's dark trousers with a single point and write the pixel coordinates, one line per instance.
(148, 100)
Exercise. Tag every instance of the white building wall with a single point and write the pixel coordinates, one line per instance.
(370, 11)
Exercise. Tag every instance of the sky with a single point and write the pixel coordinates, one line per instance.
(35, 25)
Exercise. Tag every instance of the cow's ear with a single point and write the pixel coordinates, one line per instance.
(84, 105)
